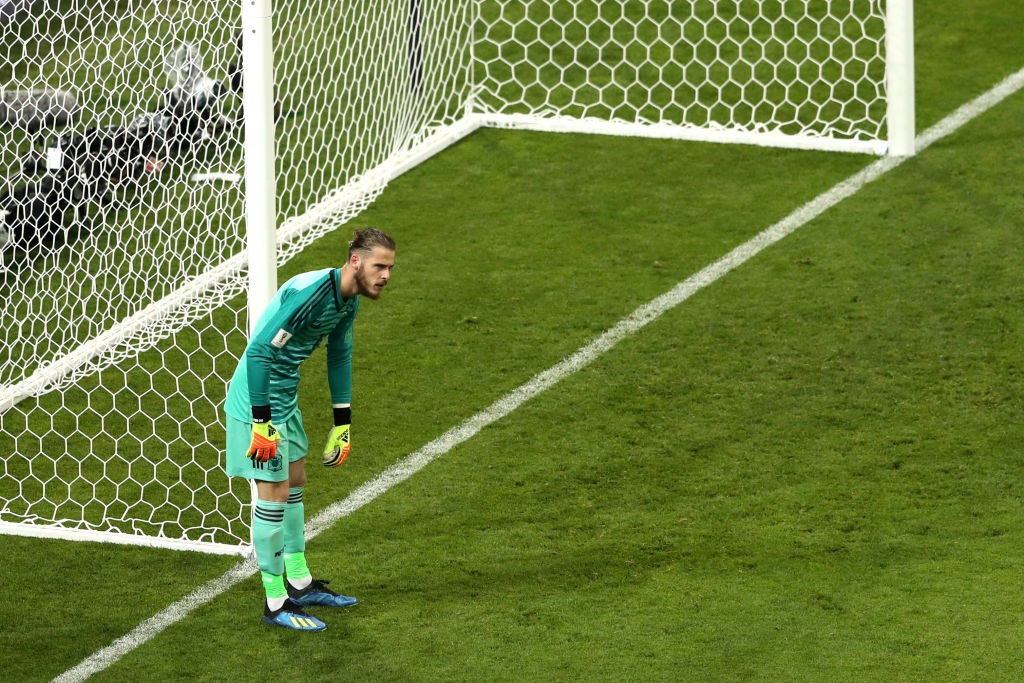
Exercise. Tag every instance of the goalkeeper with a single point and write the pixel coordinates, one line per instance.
(266, 441)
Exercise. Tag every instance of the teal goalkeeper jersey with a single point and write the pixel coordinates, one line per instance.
(307, 310)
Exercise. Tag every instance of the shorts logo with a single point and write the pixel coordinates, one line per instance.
(281, 338)
(272, 465)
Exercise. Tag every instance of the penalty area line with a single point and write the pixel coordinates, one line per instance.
(627, 327)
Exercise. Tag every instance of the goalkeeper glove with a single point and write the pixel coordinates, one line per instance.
(339, 442)
(264, 437)
(336, 450)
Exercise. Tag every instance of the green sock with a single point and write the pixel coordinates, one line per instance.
(295, 567)
(273, 584)
(295, 540)
(268, 542)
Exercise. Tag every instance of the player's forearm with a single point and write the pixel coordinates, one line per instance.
(340, 382)
(258, 362)
(339, 373)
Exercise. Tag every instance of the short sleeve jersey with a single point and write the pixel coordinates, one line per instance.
(305, 311)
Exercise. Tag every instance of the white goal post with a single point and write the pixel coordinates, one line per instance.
(160, 159)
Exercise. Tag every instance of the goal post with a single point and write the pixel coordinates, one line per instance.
(160, 160)
(261, 191)
(899, 43)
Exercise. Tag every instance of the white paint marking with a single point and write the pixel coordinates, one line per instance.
(627, 327)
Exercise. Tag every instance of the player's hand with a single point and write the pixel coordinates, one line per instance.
(264, 441)
(338, 445)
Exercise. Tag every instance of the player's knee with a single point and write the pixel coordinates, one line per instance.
(274, 491)
(297, 474)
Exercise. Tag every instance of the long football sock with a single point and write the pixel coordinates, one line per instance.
(273, 585)
(295, 540)
(268, 542)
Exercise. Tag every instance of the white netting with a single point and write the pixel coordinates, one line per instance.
(123, 262)
(755, 71)
(106, 226)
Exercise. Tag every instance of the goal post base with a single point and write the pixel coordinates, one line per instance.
(73, 534)
(666, 131)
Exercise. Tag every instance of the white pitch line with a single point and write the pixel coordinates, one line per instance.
(627, 327)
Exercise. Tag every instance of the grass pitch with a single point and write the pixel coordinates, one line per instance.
(808, 471)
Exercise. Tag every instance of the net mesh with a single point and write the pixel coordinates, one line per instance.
(814, 69)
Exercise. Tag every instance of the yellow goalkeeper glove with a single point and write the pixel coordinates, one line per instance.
(338, 445)
(339, 442)
(265, 438)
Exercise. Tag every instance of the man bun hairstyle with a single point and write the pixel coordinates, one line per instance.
(364, 241)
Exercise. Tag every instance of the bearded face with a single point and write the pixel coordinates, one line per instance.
(372, 272)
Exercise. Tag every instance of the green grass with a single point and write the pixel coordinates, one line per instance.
(808, 471)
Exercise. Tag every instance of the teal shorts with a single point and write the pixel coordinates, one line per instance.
(293, 446)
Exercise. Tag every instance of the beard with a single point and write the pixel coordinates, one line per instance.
(364, 286)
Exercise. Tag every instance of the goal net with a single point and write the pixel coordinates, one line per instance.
(123, 240)
(808, 74)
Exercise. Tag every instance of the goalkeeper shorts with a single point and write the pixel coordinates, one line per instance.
(293, 446)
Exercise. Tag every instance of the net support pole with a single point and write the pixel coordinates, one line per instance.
(899, 48)
(260, 187)
(260, 181)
